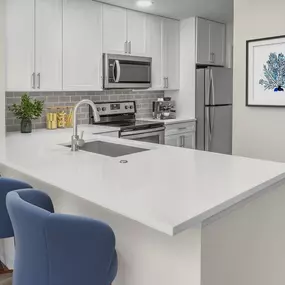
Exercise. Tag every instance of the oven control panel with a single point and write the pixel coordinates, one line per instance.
(116, 108)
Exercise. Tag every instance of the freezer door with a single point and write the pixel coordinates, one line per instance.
(200, 109)
(220, 90)
(218, 129)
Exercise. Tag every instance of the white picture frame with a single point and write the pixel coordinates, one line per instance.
(265, 72)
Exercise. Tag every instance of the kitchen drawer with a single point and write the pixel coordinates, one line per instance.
(180, 128)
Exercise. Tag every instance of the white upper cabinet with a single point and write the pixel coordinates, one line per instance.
(217, 43)
(210, 42)
(19, 45)
(124, 31)
(114, 29)
(54, 45)
(154, 47)
(48, 45)
(203, 41)
(137, 33)
(34, 45)
(82, 45)
(171, 54)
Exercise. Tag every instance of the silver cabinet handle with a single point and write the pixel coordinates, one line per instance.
(214, 57)
(182, 129)
(34, 80)
(102, 83)
(39, 80)
(130, 47)
(126, 47)
(182, 141)
(165, 81)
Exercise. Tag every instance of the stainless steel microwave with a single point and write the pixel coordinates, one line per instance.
(126, 72)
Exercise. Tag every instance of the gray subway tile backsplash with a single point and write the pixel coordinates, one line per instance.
(143, 99)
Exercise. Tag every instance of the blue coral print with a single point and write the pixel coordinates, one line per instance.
(274, 73)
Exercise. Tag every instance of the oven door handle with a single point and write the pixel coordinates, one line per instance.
(143, 133)
(117, 67)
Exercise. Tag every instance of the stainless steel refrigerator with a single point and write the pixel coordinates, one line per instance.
(214, 93)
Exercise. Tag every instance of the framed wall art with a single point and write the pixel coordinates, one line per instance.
(265, 72)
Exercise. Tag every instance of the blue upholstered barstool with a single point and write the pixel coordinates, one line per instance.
(7, 185)
(58, 249)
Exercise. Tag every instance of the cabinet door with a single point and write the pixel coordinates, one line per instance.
(203, 41)
(154, 47)
(137, 33)
(173, 140)
(217, 43)
(188, 140)
(19, 44)
(114, 29)
(82, 45)
(171, 53)
(48, 33)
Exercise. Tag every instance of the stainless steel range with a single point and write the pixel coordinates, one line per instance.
(123, 115)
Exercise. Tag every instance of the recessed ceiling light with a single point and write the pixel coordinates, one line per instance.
(144, 3)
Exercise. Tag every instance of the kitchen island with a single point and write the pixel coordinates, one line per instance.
(176, 212)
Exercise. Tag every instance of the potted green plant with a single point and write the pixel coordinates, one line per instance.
(27, 111)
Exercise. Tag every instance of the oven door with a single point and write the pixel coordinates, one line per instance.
(128, 72)
(154, 136)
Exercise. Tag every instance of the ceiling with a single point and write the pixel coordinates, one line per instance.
(219, 10)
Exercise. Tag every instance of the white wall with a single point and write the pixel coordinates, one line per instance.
(2, 68)
(257, 132)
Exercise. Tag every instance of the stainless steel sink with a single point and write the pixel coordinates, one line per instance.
(109, 149)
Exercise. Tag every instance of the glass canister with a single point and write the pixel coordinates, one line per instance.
(69, 117)
(61, 117)
(51, 118)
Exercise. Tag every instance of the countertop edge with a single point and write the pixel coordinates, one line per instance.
(227, 206)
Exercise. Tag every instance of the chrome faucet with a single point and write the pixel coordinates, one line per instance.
(76, 142)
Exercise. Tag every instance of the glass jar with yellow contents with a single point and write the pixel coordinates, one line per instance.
(51, 118)
(61, 117)
(69, 117)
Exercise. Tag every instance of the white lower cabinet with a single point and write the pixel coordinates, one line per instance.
(181, 135)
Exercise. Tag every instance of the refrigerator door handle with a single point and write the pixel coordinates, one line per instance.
(213, 88)
(208, 135)
(212, 119)
(209, 87)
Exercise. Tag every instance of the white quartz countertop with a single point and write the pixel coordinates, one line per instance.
(172, 121)
(166, 188)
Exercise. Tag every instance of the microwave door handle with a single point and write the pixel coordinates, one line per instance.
(118, 67)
